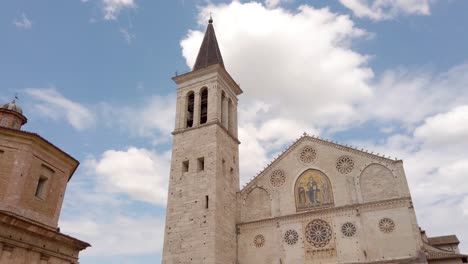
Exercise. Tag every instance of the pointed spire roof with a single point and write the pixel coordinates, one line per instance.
(209, 53)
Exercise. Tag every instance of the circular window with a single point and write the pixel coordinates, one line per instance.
(318, 233)
(348, 229)
(291, 237)
(277, 178)
(345, 165)
(259, 241)
(386, 225)
(308, 155)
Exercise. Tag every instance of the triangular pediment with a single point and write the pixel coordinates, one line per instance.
(322, 149)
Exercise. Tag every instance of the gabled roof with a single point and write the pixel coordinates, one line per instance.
(209, 52)
(327, 142)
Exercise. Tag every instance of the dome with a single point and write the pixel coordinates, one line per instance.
(12, 106)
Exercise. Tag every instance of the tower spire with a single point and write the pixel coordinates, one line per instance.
(209, 53)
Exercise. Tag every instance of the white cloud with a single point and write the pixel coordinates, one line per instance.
(127, 35)
(257, 41)
(112, 8)
(275, 3)
(153, 118)
(140, 173)
(387, 9)
(410, 96)
(450, 127)
(23, 22)
(51, 103)
(120, 232)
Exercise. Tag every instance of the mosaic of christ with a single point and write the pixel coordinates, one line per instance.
(312, 189)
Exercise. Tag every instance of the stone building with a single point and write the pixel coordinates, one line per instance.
(33, 177)
(317, 202)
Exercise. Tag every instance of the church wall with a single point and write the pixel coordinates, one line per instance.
(23, 162)
(347, 205)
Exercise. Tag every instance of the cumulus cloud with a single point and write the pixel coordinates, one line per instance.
(23, 22)
(152, 119)
(140, 173)
(112, 8)
(49, 102)
(317, 88)
(275, 3)
(409, 96)
(121, 232)
(446, 128)
(387, 9)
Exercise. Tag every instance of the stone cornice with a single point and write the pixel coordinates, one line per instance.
(41, 230)
(397, 202)
(210, 123)
(41, 142)
(179, 79)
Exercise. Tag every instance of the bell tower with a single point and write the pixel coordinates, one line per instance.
(204, 177)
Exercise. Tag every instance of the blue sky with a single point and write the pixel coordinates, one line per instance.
(94, 78)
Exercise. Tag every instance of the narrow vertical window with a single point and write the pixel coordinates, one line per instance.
(207, 200)
(185, 166)
(190, 105)
(41, 186)
(201, 164)
(204, 106)
(15, 124)
(229, 113)
(223, 114)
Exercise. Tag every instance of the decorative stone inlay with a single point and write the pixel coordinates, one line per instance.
(277, 178)
(345, 164)
(291, 237)
(386, 225)
(259, 241)
(348, 229)
(318, 233)
(308, 154)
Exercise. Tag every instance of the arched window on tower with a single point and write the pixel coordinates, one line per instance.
(204, 106)
(229, 112)
(190, 105)
(224, 110)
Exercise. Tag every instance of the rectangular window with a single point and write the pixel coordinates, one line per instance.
(201, 164)
(41, 187)
(207, 200)
(185, 166)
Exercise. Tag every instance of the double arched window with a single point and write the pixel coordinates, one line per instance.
(197, 108)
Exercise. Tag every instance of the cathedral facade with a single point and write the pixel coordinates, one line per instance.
(317, 202)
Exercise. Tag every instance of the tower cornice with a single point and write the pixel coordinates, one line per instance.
(189, 76)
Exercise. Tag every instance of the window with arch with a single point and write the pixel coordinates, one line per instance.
(204, 106)
(4, 122)
(312, 189)
(190, 108)
(223, 110)
(15, 124)
(229, 112)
